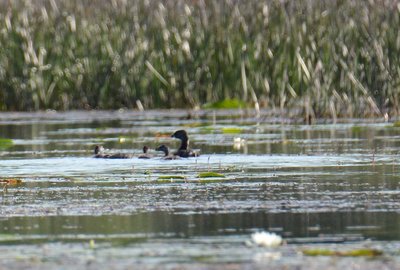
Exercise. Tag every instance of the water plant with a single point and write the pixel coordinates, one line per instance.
(365, 252)
(210, 175)
(328, 58)
(5, 143)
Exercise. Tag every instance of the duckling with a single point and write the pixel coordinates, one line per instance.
(165, 149)
(183, 150)
(98, 153)
(145, 155)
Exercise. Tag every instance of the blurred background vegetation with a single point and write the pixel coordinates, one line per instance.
(330, 58)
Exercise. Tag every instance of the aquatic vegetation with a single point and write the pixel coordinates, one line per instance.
(350, 253)
(326, 58)
(171, 177)
(228, 103)
(356, 129)
(210, 175)
(231, 130)
(5, 143)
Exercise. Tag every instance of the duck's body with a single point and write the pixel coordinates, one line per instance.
(98, 153)
(145, 155)
(183, 150)
(165, 149)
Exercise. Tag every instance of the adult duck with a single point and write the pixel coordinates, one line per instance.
(163, 148)
(98, 153)
(183, 150)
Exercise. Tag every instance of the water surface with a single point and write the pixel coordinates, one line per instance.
(324, 185)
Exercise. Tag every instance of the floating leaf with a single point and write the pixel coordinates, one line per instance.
(231, 130)
(210, 175)
(169, 177)
(5, 143)
(350, 253)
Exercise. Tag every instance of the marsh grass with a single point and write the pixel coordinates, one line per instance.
(330, 58)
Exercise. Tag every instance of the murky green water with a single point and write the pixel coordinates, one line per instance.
(325, 185)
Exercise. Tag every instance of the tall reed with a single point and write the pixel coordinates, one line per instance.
(329, 57)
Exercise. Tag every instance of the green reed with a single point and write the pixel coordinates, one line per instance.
(331, 57)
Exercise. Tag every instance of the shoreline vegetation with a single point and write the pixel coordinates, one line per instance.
(331, 58)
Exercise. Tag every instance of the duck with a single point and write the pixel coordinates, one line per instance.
(98, 153)
(145, 155)
(164, 148)
(183, 150)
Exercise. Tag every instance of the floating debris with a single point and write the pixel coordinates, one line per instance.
(11, 181)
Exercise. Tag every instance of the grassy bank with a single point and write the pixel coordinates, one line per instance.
(333, 58)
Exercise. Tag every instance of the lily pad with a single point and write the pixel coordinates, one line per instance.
(210, 175)
(5, 143)
(350, 253)
(231, 130)
(169, 177)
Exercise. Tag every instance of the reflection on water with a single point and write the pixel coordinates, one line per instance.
(299, 181)
(378, 225)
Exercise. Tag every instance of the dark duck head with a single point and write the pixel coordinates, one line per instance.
(183, 150)
(163, 148)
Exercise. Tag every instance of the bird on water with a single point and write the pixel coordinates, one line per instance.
(98, 153)
(184, 150)
(145, 154)
(163, 148)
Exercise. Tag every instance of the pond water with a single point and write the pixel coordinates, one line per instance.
(325, 185)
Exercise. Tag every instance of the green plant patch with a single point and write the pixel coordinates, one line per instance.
(5, 143)
(350, 253)
(208, 129)
(231, 130)
(356, 129)
(169, 177)
(210, 175)
(226, 104)
(396, 124)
